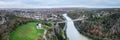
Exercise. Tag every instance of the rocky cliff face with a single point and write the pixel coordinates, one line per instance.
(3, 27)
(101, 24)
(105, 27)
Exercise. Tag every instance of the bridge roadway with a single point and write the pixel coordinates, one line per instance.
(79, 19)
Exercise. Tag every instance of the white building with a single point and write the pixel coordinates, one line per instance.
(39, 26)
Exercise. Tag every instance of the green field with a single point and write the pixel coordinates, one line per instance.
(26, 32)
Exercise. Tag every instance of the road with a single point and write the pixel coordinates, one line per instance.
(71, 31)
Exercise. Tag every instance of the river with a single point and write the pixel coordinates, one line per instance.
(71, 31)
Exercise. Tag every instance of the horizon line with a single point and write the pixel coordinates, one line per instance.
(68, 6)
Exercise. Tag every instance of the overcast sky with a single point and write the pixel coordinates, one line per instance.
(59, 3)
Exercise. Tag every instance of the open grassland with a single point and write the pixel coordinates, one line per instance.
(26, 32)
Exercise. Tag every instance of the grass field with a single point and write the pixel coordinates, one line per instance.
(26, 32)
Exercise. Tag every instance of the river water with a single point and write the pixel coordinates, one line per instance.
(71, 31)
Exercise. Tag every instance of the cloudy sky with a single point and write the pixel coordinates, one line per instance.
(59, 3)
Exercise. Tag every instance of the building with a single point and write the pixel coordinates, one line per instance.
(39, 26)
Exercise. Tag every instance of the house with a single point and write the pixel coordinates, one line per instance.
(39, 26)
